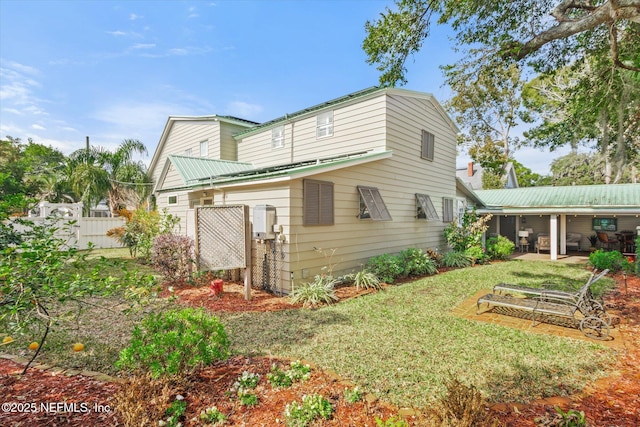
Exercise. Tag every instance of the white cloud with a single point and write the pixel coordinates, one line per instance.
(117, 33)
(243, 109)
(133, 17)
(37, 127)
(143, 46)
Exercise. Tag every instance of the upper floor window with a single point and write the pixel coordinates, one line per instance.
(317, 202)
(204, 148)
(425, 208)
(324, 124)
(428, 143)
(277, 137)
(188, 152)
(371, 205)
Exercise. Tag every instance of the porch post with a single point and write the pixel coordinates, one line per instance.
(553, 231)
(563, 234)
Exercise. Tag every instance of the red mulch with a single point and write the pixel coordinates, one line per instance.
(613, 401)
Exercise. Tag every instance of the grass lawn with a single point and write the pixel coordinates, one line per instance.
(399, 343)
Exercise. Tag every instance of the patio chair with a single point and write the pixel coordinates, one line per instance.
(573, 241)
(544, 243)
(606, 241)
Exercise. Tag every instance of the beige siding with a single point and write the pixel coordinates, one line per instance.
(356, 127)
(187, 134)
(172, 179)
(228, 145)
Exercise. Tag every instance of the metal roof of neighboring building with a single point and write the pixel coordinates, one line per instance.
(194, 169)
(577, 198)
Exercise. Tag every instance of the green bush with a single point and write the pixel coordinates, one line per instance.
(303, 414)
(500, 247)
(476, 254)
(611, 260)
(435, 256)
(416, 263)
(175, 342)
(386, 267)
(455, 259)
(320, 291)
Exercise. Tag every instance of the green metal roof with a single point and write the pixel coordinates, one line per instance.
(303, 168)
(625, 197)
(193, 169)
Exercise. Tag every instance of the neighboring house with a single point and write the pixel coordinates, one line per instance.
(557, 211)
(369, 173)
(472, 176)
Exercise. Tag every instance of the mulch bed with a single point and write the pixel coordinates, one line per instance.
(613, 401)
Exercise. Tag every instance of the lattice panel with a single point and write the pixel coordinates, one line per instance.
(221, 239)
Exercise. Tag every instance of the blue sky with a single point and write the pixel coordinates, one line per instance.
(113, 70)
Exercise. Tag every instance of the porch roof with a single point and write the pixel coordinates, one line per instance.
(194, 169)
(287, 171)
(577, 199)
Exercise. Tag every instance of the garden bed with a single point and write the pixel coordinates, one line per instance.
(611, 401)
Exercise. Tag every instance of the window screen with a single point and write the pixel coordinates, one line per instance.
(277, 137)
(324, 124)
(425, 208)
(371, 204)
(317, 202)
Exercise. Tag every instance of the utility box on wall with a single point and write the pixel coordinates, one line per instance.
(264, 218)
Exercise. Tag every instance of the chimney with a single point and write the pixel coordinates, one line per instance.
(470, 169)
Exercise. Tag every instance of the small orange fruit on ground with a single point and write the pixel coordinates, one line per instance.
(34, 346)
(78, 347)
(7, 340)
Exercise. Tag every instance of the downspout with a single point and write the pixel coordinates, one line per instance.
(292, 129)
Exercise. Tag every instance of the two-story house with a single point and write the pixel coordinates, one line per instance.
(369, 173)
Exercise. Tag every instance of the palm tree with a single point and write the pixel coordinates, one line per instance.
(87, 176)
(129, 182)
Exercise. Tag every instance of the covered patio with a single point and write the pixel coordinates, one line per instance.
(559, 220)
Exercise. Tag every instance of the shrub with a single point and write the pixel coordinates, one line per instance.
(571, 418)
(173, 256)
(417, 263)
(140, 228)
(476, 254)
(500, 247)
(175, 343)
(312, 407)
(320, 291)
(468, 233)
(462, 406)
(612, 260)
(386, 267)
(142, 400)
(435, 256)
(456, 260)
(364, 279)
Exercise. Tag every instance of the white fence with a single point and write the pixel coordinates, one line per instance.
(80, 231)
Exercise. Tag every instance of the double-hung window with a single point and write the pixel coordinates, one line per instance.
(188, 152)
(277, 137)
(324, 125)
(317, 202)
(371, 205)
